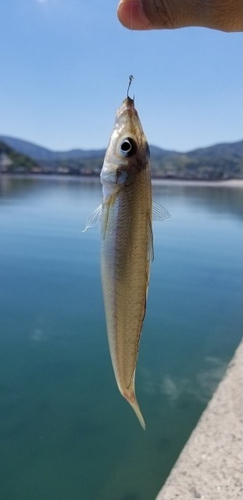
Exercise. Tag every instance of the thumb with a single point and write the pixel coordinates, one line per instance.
(150, 14)
(225, 15)
(132, 15)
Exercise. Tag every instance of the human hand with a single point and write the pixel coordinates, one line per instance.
(224, 15)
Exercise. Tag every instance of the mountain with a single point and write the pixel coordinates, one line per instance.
(221, 161)
(13, 161)
(39, 153)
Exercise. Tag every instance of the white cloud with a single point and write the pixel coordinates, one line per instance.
(170, 388)
(201, 388)
(37, 335)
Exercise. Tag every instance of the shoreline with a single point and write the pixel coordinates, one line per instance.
(228, 183)
(210, 465)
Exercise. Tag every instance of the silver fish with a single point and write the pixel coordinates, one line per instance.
(127, 243)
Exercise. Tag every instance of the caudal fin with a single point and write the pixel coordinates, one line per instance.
(131, 398)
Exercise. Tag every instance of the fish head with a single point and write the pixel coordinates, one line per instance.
(127, 153)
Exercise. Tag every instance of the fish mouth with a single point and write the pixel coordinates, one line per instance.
(127, 116)
(127, 105)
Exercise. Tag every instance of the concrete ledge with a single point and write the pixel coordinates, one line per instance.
(210, 467)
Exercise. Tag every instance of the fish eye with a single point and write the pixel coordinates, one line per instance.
(128, 147)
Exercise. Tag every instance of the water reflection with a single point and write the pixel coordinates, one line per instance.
(219, 200)
(214, 198)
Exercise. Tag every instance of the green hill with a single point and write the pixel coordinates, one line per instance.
(222, 161)
(12, 161)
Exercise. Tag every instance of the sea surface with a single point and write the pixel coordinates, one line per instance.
(65, 431)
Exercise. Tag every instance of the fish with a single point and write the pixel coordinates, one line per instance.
(125, 217)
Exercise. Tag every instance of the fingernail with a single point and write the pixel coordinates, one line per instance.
(132, 15)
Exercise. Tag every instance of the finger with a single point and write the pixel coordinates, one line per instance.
(131, 15)
(225, 15)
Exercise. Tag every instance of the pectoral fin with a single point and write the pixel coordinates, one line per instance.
(94, 218)
(159, 212)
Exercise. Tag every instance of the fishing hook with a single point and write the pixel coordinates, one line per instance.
(131, 78)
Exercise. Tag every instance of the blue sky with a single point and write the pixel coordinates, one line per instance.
(65, 67)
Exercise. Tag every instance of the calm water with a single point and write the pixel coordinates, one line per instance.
(65, 431)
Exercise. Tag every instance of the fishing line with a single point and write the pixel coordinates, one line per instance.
(131, 77)
(131, 36)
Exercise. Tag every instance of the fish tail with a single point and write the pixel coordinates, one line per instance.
(131, 398)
